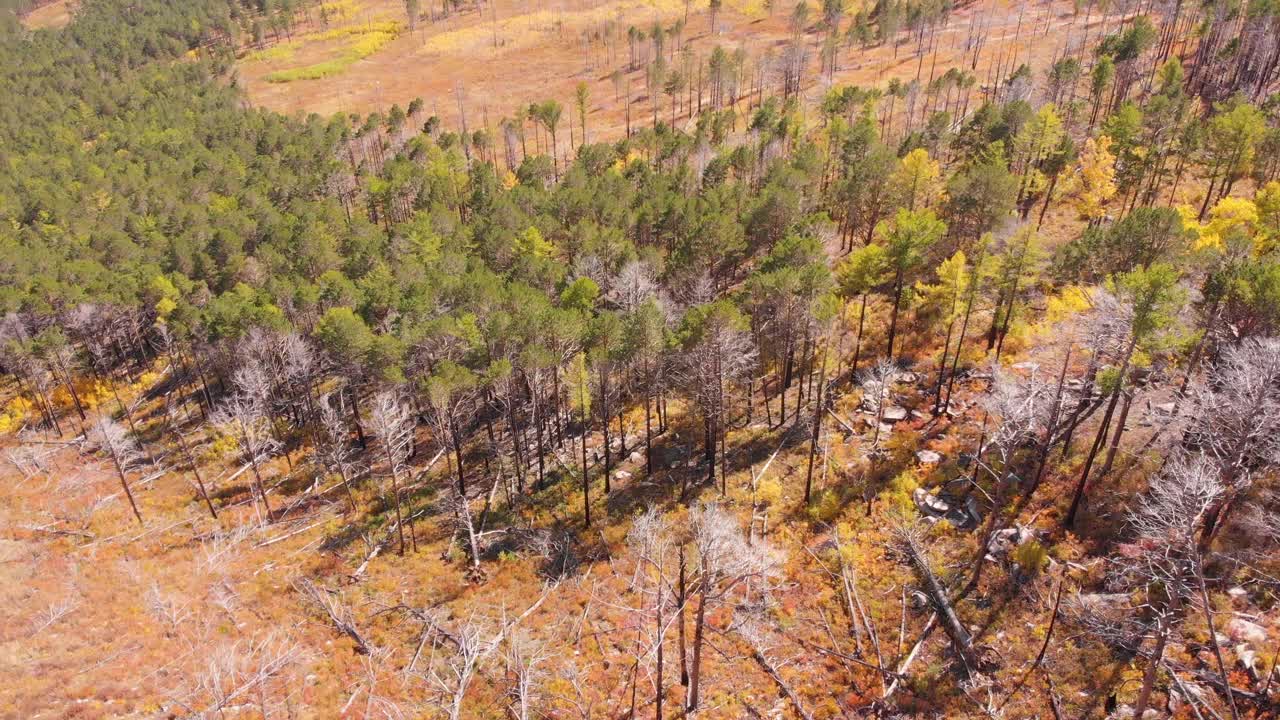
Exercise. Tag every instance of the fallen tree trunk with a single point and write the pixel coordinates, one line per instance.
(961, 640)
(782, 684)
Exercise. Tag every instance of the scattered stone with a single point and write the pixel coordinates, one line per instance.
(1247, 657)
(968, 517)
(1003, 541)
(894, 413)
(928, 457)
(929, 503)
(1241, 630)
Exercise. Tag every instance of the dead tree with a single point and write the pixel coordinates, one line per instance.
(331, 603)
(392, 426)
(877, 382)
(1237, 423)
(246, 421)
(653, 541)
(726, 564)
(1021, 408)
(123, 451)
(1164, 561)
(473, 642)
(525, 657)
(333, 444)
(192, 465)
(961, 640)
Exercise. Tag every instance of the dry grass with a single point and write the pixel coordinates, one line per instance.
(50, 16)
(520, 51)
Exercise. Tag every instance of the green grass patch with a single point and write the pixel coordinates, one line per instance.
(369, 39)
(275, 53)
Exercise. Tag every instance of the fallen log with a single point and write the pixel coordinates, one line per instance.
(762, 660)
(961, 640)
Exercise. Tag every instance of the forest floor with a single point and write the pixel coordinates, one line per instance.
(101, 617)
(515, 52)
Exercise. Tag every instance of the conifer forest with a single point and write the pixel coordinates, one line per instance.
(620, 359)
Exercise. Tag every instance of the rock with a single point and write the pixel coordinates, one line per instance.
(906, 377)
(1247, 657)
(894, 413)
(1026, 366)
(1238, 594)
(928, 457)
(1241, 630)
(918, 600)
(621, 475)
(929, 503)
(1166, 408)
(636, 458)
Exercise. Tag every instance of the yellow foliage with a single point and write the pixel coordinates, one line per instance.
(768, 492)
(1031, 557)
(339, 9)
(898, 495)
(369, 39)
(91, 393)
(918, 179)
(1071, 301)
(1094, 182)
(276, 53)
(827, 507)
(145, 381)
(1231, 216)
(14, 415)
(224, 445)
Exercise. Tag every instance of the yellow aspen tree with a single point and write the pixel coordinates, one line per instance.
(1094, 182)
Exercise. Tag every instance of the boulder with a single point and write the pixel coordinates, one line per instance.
(621, 475)
(1027, 366)
(906, 377)
(1247, 657)
(1166, 408)
(928, 503)
(894, 413)
(636, 458)
(1241, 630)
(928, 457)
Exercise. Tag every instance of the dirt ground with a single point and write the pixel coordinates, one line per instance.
(514, 52)
(50, 16)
